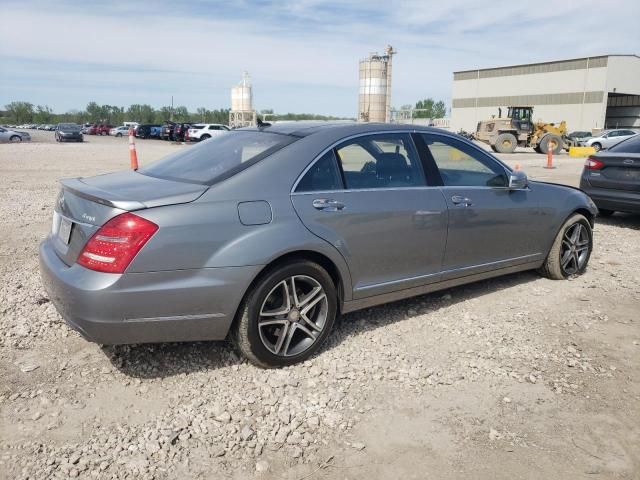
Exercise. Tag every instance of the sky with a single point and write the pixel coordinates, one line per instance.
(302, 55)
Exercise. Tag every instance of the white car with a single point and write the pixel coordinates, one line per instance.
(119, 131)
(609, 138)
(202, 131)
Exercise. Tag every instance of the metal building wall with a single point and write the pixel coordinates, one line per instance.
(572, 90)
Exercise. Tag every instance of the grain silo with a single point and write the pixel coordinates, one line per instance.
(242, 113)
(374, 98)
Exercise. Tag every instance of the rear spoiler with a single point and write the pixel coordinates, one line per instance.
(81, 189)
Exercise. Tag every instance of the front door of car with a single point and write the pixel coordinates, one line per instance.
(490, 226)
(368, 198)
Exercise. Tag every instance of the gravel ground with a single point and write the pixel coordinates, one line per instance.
(518, 377)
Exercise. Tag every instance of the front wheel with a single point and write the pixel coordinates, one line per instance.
(571, 249)
(287, 316)
(16, 139)
(596, 146)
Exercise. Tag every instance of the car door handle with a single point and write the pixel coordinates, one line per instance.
(327, 204)
(460, 200)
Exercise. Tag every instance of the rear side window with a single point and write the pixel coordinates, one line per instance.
(322, 176)
(631, 145)
(380, 161)
(218, 158)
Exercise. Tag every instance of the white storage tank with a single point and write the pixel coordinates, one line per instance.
(241, 96)
(374, 97)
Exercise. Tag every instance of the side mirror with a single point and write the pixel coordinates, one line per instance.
(518, 180)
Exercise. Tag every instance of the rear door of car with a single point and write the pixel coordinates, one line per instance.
(368, 198)
(490, 226)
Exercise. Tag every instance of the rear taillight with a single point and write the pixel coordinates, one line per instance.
(593, 164)
(116, 243)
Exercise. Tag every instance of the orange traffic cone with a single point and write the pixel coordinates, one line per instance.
(550, 157)
(133, 156)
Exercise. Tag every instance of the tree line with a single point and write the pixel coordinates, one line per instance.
(20, 112)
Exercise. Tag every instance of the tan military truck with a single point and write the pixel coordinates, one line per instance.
(519, 130)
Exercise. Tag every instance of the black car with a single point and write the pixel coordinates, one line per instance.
(148, 131)
(612, 178)
(68, 132)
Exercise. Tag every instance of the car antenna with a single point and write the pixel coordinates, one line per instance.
(262, 124)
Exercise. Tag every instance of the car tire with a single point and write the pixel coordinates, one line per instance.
(604, 213)
(15, 139)
(205, 136)
(118, 135)
(596, 146)
(551, 140)
(269, 339)
(567, 257)
(506, 143)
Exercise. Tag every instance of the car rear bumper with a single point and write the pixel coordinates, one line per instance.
(168, 306)
(607, 199)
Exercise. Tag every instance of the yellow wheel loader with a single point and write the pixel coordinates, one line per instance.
(518, 130)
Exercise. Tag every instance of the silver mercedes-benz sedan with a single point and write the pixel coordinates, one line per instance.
(266, 234)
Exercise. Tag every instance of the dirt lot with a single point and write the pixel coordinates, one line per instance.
(519, 377)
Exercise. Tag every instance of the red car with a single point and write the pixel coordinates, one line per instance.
(92, 130)
(103, 129)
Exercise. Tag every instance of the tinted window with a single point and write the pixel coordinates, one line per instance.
(218, 158)
(215, 127)
(380, 161)
(322, 176)
(631, 145)
(461, 165)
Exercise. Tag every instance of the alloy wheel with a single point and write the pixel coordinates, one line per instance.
(293, 315)
(575, 250)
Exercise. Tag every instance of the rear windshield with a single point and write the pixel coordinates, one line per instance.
(630, 145)
(218, 158)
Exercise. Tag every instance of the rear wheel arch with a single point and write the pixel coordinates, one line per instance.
(302, 255)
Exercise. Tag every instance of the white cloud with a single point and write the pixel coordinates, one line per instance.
(302, 54)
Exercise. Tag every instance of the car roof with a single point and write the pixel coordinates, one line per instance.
(307, 128)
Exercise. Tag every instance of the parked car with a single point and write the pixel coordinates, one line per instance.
(148, 131)
(202, 131)
(265, 234)
(66, 132)
(612, 178)
(609, 138)
(166, 133)
(119, 131)
(580, 136)
(91, 130)
(14, 136)
(104, 129)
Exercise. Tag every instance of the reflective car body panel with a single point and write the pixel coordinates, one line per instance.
(407, 234)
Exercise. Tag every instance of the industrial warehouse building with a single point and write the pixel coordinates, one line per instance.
(588, 93)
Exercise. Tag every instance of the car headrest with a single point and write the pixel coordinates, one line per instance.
(392, 165)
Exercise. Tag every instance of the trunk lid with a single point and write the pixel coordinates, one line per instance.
(85, 204)
(620, 171)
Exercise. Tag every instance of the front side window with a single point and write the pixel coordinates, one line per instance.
(322, 176)
(460, 165)
(380, 161)
(218, 158)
